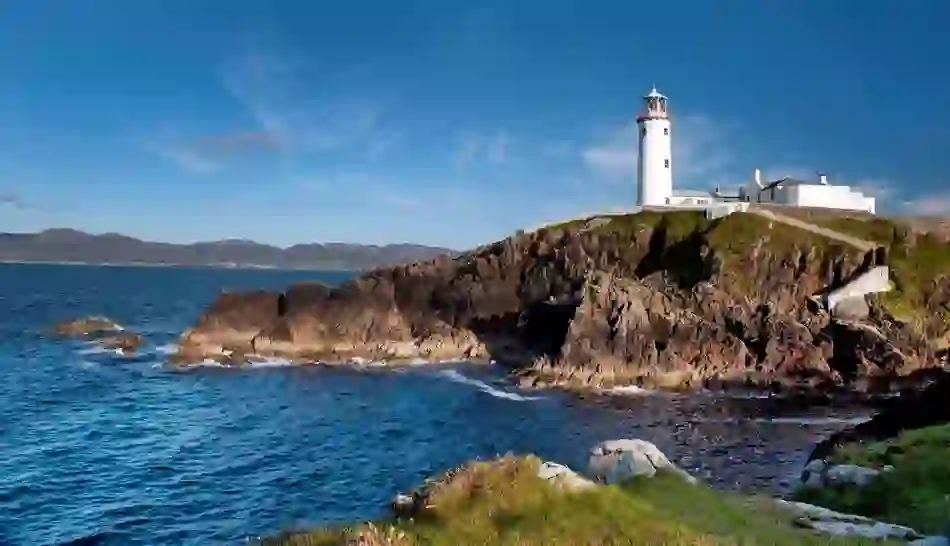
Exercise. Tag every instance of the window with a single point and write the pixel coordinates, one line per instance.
(643, 131)
(666, 163)
(666, 130)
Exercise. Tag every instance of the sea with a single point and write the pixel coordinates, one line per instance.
(98, 448)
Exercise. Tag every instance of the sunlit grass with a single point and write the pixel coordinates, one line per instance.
(504, 502)
(915, 493)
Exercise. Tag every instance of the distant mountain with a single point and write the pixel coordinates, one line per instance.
(67, 245)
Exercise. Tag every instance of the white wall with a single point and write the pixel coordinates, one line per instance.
(827, 196)
(655, 168)
(689, 200)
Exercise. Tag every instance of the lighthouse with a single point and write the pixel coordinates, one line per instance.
(654, 169)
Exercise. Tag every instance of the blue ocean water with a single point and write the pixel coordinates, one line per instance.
(98, 449)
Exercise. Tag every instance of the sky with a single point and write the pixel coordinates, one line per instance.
(448, 123)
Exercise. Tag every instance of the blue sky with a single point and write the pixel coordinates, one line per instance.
(434, 122)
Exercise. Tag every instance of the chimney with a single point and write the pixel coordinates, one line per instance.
(822, 179)
(758, 178)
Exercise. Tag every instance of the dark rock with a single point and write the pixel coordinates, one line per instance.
(910, 411)
(661, 300)
(126, 342)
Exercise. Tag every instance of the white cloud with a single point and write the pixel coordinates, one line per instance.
(467, 146)
(14, 200)
(930, 205)
(702, 156)
(497, 148)
(558, 150)
(876, 188)
(184, 157)
(471, 146)
(300, 118)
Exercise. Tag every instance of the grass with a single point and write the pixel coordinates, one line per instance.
(503, 502)
(916, 261)
(915, 493)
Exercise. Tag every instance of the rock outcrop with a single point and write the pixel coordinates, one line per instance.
(830, 522)
(664, 300)
(616, 461)
(910, 411)
(102, 331)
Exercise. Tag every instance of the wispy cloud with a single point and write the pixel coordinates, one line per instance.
(497, 148)
(929, 205)
(702, 157)
(467, 146)
(614, 157)
(185, 157)
(14, 200)
(238, 142)
(471, 147)
(299, 117)
(557, 150)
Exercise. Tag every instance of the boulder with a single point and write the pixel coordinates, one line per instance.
(563, 476)
(615, 461)
(844, 475)
(818, 474)
(830, 522)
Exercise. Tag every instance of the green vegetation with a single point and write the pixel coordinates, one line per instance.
(504, 502)
(915, 493)
(916, 261)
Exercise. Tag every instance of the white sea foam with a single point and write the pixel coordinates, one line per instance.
(270, 362)
(94, 349)
(167, 349)
(629, 390)
(455, 376)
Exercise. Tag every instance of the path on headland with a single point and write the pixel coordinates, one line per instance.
(860, 244)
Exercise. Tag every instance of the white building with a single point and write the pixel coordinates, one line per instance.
(654, 168)
(655, 176)
(800, 193)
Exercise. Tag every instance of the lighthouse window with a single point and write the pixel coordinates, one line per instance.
(666, 163)
(666, 130)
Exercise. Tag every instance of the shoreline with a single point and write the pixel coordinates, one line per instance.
(183, 266)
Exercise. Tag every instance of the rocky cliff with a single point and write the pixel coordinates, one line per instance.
(669, 300)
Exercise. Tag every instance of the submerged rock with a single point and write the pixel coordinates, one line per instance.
(87, 327)
(615, 461)
(127, 342)
(102, 331)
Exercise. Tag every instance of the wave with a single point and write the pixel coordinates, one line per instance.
(629, 390)
(453, 375)
(167, 349)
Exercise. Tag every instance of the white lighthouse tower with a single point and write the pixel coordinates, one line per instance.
(655, 168)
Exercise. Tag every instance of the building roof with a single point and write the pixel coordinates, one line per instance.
(692, 193)
(789, 181)
(655, 93)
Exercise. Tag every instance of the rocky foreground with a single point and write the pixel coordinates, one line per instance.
(657, 300)
(630, 494)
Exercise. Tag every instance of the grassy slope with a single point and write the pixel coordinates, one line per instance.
(503, 502)
(916, 493)
(916, 260)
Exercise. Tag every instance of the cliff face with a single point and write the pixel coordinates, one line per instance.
(653, 299)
